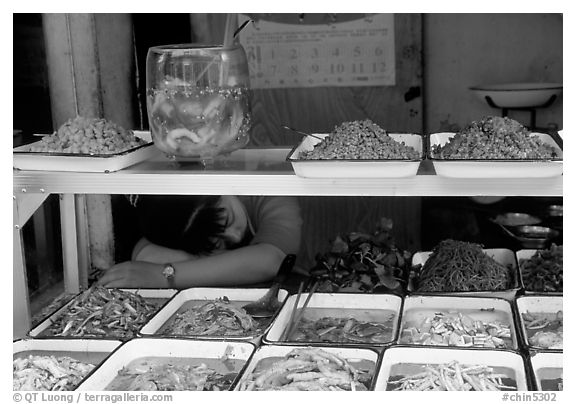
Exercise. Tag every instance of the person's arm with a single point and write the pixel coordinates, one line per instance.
(246, 265)
(146, 251)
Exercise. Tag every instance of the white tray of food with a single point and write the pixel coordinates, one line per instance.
(272, 368)
(183, 318)
(338, 318)
(356, 168)
(171, 364)
(550, 275)
(87, 320)
(75, 359)
(24, 159)
(503, 256)
(495, 168)
(420, 368)
(541, 321)
(548, 371)
(459, 321)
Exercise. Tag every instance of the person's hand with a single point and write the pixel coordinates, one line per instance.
(134, 274)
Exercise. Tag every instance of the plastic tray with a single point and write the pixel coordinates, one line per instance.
(352, 355)
(170, 348)
(416, 308)
(512, 363)
(494, 168)
(83, 350)
(235, 295)
(502, 255)
(357, 168)
(163, 295)
(358, 306)
(522, 255)
(23, 159)
(546, 366)
(537, 304)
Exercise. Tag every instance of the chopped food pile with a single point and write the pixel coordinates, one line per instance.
(102, 312)
(543, 271)
(214, 318)
(457, 329)
(48, 373)
(495, 137)
(360, 140)
(88, 136)
(308, 369)
(363, 262)
(458, 266)
(343, 330)
(452, 377)
(545, 330)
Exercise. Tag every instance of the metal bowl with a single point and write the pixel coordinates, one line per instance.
(516, 219)
(518, 95)
(555, 211)
(535, 232)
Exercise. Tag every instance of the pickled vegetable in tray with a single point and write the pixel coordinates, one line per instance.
(544, 330)
(363, 262)
(48, 373)
(102, 312)
(309, 369)
(543, 272)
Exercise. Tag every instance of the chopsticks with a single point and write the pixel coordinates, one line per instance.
(295, 318)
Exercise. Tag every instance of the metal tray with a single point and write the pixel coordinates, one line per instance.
(494, 168)
(537, 304)
(510, 362)
(161, 295)
(165, 348)
(23, 159)
(344, 305)
(546, 366)
(357, 168)
(504, 256)
(522, 255)
(83, 350)
(237, 296)
(352, 355)
(486, 309)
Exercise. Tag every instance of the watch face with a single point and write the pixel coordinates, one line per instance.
(168, 271)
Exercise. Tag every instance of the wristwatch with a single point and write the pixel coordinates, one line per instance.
(168, 272)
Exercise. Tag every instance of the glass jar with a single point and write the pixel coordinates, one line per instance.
(198, 99)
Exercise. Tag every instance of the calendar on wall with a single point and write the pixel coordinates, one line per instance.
(349, 53)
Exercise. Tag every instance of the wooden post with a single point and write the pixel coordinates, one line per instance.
(90, 61)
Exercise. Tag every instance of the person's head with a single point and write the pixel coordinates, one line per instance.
(196, 224)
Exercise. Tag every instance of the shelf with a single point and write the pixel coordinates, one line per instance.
(265, 171)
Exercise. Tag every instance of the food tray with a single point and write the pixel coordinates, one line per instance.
(526, 255)
(344, 305)
(98, 163)
(161, 295)
(84, 350)
(502, 255)
(506, 362)
(357, 168)
(352, 355)
(170, 348)
(486, 309)
(494, 168)
(537, 304)
(237, 296)
(547, 366)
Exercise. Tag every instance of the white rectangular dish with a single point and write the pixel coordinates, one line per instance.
(237, 296)
(552, 307)
(491, 312)
(407, 361)
(504, 256)
(522, 255)
(355, 357)
(161, 296)
(23, 159)
(362, 307)
(548, 370)
(494, 168)
(218, 353)
(87, 351)
(357, 168)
